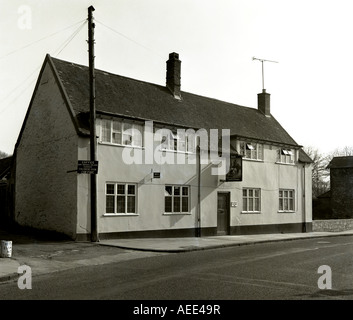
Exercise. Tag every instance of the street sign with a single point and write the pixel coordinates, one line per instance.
(87, 166)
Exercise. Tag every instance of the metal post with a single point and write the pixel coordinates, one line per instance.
(93, 138)
(263, 74)
(263, 77)
(198, 156)
(304, 201)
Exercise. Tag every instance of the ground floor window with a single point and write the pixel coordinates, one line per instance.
(120, 198)
(286, 200)
(176, 199)
(251, 200)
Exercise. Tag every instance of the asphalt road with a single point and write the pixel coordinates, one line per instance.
(272, 271)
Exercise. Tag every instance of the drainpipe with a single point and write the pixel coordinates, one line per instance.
(304, 201)
(198, 156)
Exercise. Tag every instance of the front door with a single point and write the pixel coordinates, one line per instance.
(223, 214)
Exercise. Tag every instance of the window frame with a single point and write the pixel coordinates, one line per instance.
(171, 140)
(254, 149)
(122, 132)
(116, 195)
(173, 196)
(252, 198)
(287, 198)
(286, 156)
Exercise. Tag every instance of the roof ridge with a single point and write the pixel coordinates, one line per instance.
(154, 84)
(106, 72)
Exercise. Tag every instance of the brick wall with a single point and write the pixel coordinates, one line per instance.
(333, 225)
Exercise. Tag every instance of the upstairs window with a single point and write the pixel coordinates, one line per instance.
(106, 128)
(286, 155)
(252, 151)
(121, 132)
(176, 140)
(169, 140)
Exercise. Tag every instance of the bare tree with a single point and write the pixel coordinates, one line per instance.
(338, 152)
(343, 152)
(320, 179)
(320, 173)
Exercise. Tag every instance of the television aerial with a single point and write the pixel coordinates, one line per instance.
(263, 76)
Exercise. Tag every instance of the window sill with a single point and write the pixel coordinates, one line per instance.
(254, 160)
(251, 212)
(286, 164)
(286, 211)
(176, 151)
(120, 214)
(121, 145)
(177, 214)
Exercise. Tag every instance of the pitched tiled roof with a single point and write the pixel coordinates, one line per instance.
(133, 98)
(303, 157)
(341, 162)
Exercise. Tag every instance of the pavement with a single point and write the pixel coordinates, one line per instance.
(46, 255)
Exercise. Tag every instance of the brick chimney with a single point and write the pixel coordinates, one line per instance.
(173, 75)
(263, 103)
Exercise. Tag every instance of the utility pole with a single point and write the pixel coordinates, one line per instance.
(263, 75)
(93, 136)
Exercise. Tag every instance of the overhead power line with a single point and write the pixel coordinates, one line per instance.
(128, 38)
(58, 50)
(19, 95)
(71, 37)
(56, 53)
(44, 38)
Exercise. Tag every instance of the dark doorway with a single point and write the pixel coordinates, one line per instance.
(223, 216)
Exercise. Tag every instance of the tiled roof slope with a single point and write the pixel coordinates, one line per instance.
(133, 98)
(303, 157)
(341, 162)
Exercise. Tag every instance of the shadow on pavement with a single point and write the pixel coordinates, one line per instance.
(25, 235)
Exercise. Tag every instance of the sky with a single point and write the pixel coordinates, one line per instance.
(311, 41)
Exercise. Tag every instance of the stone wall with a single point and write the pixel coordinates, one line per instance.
(332, 225)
